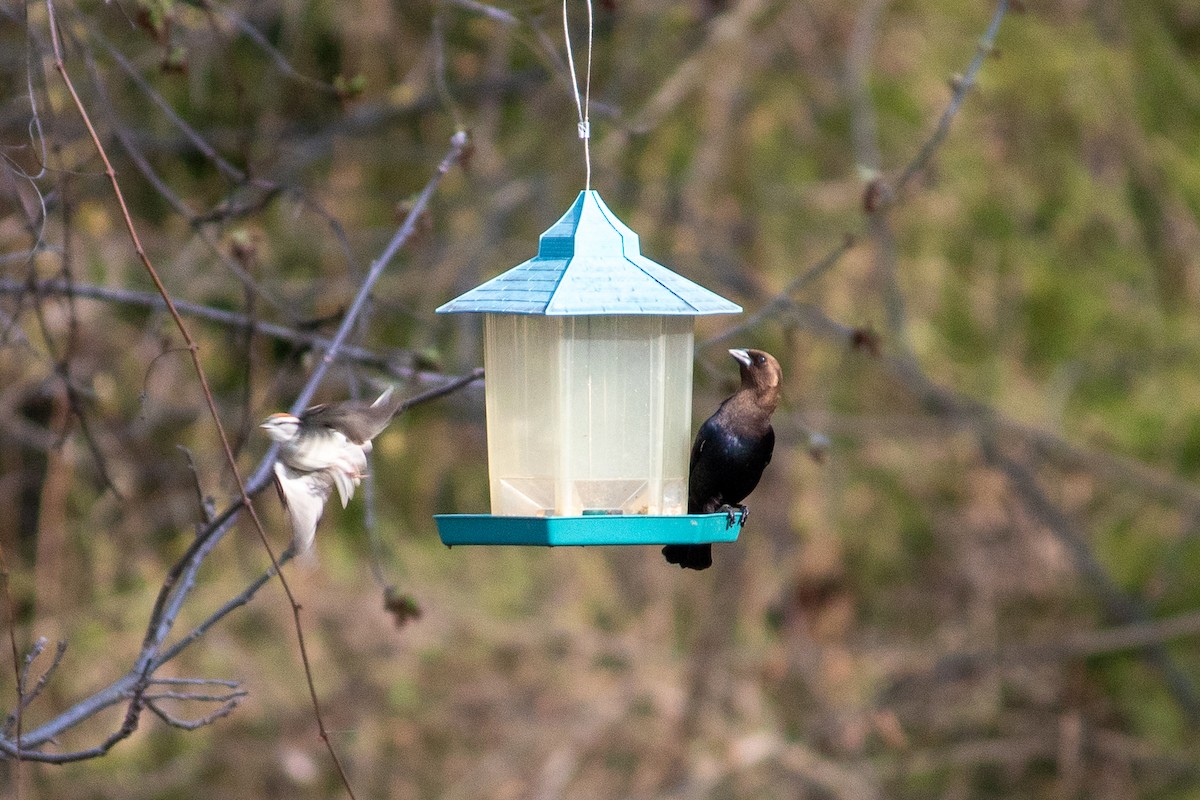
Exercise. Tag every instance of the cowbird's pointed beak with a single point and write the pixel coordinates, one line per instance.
(742, 356)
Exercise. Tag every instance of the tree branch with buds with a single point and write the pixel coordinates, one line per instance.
(134, 687)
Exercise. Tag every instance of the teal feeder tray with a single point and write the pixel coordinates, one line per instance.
(458, 529)
(588, 351)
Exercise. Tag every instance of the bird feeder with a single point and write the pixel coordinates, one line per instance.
(588, 361)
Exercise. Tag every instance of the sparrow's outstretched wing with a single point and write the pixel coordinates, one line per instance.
(357, 420)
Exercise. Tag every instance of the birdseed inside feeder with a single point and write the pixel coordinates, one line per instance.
(588, 360)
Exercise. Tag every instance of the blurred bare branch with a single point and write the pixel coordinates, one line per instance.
(228, 704)
(181, 578)
(29, 693)
(242, 25)
(962, 86)
(1118, 606)
(397, 363)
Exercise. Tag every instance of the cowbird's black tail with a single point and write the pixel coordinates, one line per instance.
(689, 556)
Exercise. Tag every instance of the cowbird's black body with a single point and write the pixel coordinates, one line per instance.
(731, 450)
(727, 463)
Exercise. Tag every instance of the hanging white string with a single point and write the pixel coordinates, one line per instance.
(581, 105)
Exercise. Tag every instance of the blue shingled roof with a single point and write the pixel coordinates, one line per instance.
(589, 262)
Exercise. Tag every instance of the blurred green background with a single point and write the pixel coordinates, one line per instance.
(970, 571)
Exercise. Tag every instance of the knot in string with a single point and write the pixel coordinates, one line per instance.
(581, 104)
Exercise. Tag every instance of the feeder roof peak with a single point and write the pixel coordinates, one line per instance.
(589, 262)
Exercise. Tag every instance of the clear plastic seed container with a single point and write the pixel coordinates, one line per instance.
(588, 414)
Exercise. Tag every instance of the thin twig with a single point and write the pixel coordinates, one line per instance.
(228, 684)
(1117, 605)
(234, 602)
(181, 578)
(491, 12)
(441, 82)
(190, 725)
(243, 597)
(197, 696)
(963, 86)
(199, 142)
(865, 135)
(30, 657)
(29, 695)
(194, 350)
(195, 220)
(441, 391)
(11, 611)
(392, 363)
(1082, 645)
(203, 502)
(784, 299)
(892, 195)
(62, 360)
(458, 144)
(127, 727)
(256, 36)
(269, 189)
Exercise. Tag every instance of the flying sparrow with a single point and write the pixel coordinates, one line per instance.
(322, 449)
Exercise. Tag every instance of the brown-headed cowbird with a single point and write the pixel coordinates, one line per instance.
(731, 450)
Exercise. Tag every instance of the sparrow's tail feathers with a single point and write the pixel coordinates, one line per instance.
(345, 485)
(391, 400)
(384, 398)
(303, 495)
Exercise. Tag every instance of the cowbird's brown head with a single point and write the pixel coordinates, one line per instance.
(761, 374)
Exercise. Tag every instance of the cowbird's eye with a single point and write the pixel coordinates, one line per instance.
(760, 360)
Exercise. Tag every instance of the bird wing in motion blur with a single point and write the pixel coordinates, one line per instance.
(323, 449)
(731, 450)
(357, 421)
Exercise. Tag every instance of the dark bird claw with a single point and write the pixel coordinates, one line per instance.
(735, 515)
